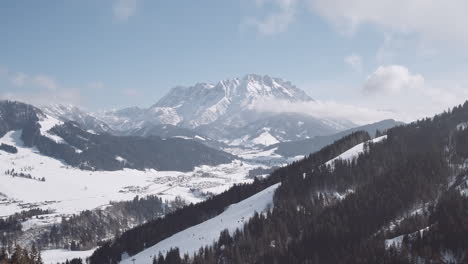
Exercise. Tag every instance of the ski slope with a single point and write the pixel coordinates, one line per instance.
(353, 152)
(191, 239)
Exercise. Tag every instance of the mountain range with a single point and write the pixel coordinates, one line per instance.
(226, 111)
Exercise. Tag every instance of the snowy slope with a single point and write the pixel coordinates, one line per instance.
(54, 256)
(265, 139)
(353, 152)
(47, 122)
(191, 239)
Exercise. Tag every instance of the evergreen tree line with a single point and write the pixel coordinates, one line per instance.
(8, 148)
(412, 167)
(146, 235)
(88, 229)
(20, 255)
(10, 227)
(446, 231)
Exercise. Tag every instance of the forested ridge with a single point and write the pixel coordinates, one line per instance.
(19, 255)
(414, 166)
(420, 164)
(141, 237)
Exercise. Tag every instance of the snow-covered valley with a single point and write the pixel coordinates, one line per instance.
(63, 190)
(68, 190)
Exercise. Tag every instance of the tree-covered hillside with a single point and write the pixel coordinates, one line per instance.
(408, 184)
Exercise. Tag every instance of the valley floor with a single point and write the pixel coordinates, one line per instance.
(68, 190)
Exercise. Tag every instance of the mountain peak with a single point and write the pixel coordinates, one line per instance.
(204, 103)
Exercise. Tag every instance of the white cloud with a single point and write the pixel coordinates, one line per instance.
(44, 81)
(435, 20)
(327, 110)
(392, 79)
(430, 20)
(123, 9)
(355, 61)
(19, 80)
(395, 87)
(276, 21)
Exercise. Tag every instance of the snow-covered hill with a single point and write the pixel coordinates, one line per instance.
(204, 234)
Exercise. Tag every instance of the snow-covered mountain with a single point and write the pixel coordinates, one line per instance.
(227, 101)
(75, 114)
(226, 110)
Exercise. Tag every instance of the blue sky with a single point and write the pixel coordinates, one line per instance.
(117, 53)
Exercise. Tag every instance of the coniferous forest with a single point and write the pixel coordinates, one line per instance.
(420, 165)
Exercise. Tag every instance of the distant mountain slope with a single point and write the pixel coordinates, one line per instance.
(68, 142)
(284, 127)
(307, 146)
(171, 131)
(108, 152)
(72, 113)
